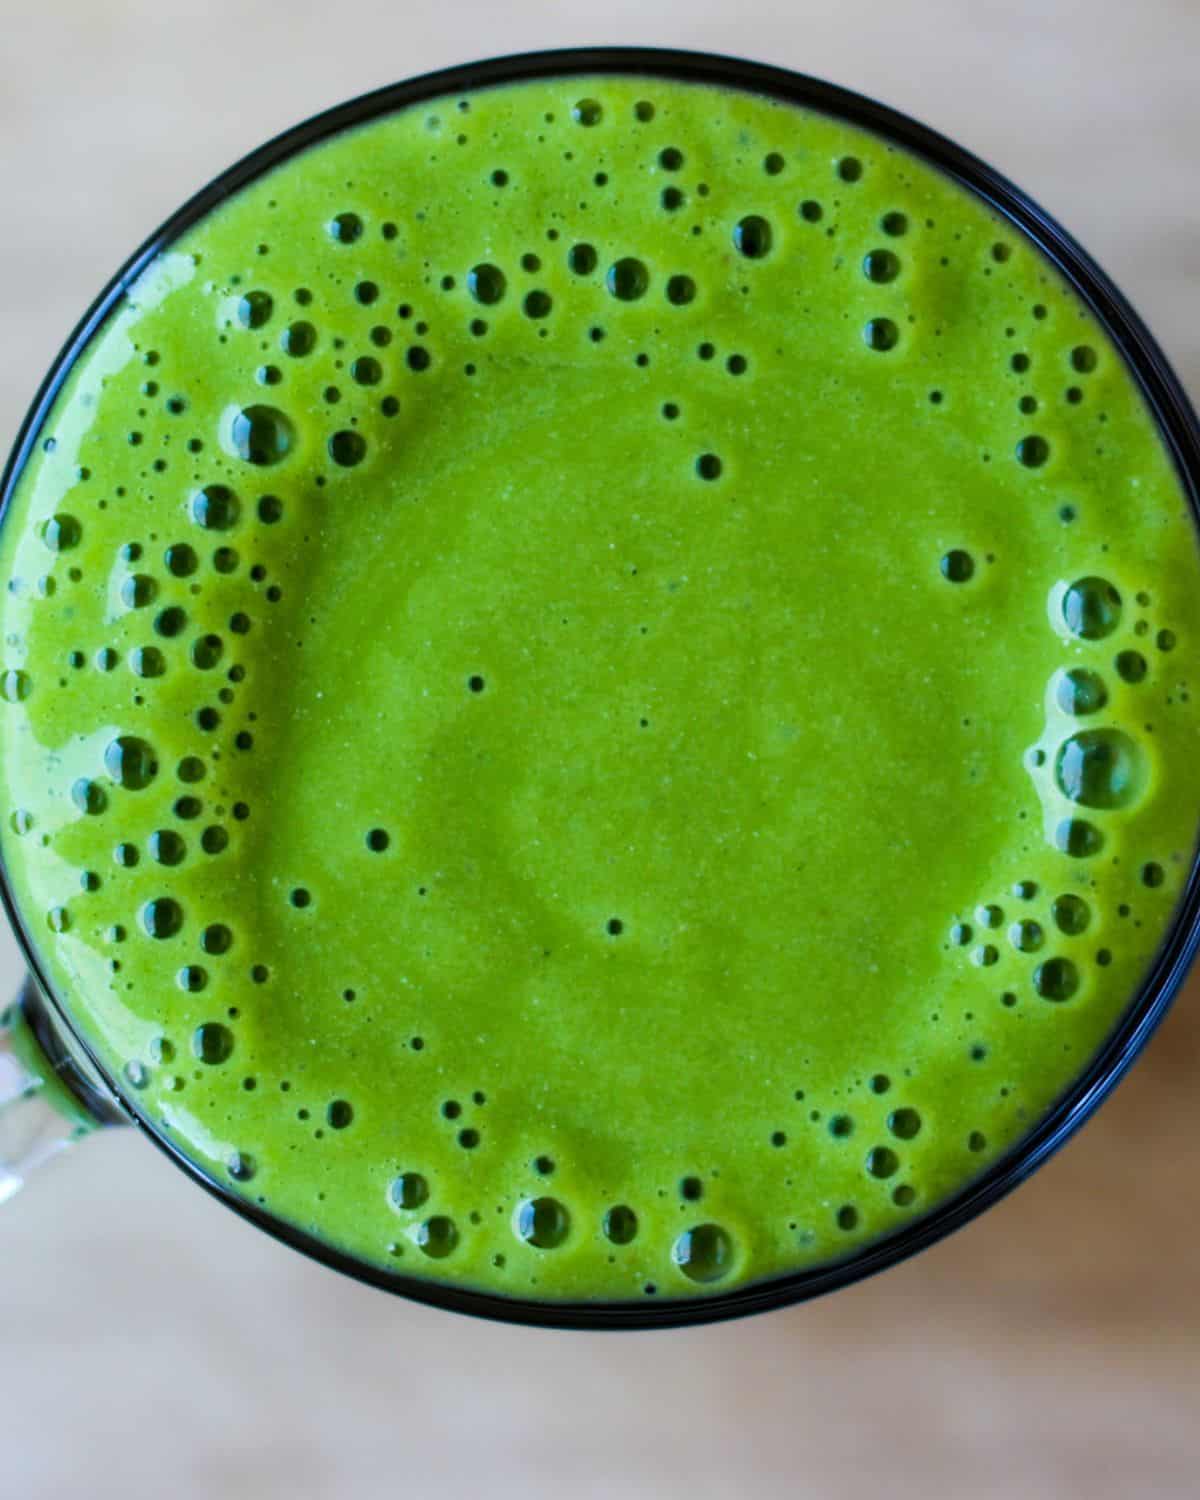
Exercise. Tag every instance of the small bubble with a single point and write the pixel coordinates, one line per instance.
(881, 334)
(216, 938)
(378, 840)
(849, 169)
(206, 652)
(339, 1114)
(212, 1043)
(894, 223)
(213, 839)
(881, 265)
(537, 304)
(138, 590)
(989, 916)
(486, 283)
(1032, 451)
(88, 796)
(904, 1123)
(130, 762)
(708, 466)
(543, 1223)
(1165, 640)
(957, 566)
(61, 533)
(1080, 691)
(261, 435)
(1083, 359)
(191, 978)
(347, 448)
(841, 1127)
(409, 1191)
(1078, 838)
(880, 1083)
(1071, 914)
(255, 309)
(298, 339)
(1091, 608)
(670, 158)
(587, 112)
(681, 290)
(241, 1165)
(1099, 768)
(437, 1237)
(15, 686)
(166, 847)
(628, 279)
(181, 560)
(1057, 979)
(704, 1253)
(366, 370)
(847, 1217)
(1152, 875)
(811, 211)
(882, 1161)
(1026, 936)
(345, 228)
(136, 1074)
(620, 1225)
(215, 508)
(752, 237)
(300, 897)
(672, 198)
(1131, 666)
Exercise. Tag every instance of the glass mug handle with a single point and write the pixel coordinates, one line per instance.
(50, 1095)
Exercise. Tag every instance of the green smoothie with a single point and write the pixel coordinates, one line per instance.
(598, 690)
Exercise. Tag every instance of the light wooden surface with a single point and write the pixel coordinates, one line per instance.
(153, 1345)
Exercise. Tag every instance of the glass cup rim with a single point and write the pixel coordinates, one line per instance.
(1178, 428)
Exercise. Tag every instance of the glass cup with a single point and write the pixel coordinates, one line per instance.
(53, 1090)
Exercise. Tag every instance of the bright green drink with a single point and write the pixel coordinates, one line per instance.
(598, 690)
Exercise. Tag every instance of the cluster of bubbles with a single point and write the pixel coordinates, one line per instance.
(703, 1252)
(1098, 768)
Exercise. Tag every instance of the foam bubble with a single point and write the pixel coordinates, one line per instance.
(543, 1223)
(704, 1253)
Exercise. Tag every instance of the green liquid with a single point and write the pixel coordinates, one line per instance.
(598, 690)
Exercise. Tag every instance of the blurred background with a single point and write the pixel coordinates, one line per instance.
(153, 1343)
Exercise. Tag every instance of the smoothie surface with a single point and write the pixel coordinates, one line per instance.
(597, 690)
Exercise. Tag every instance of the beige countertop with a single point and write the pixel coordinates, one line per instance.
(155, 1345)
